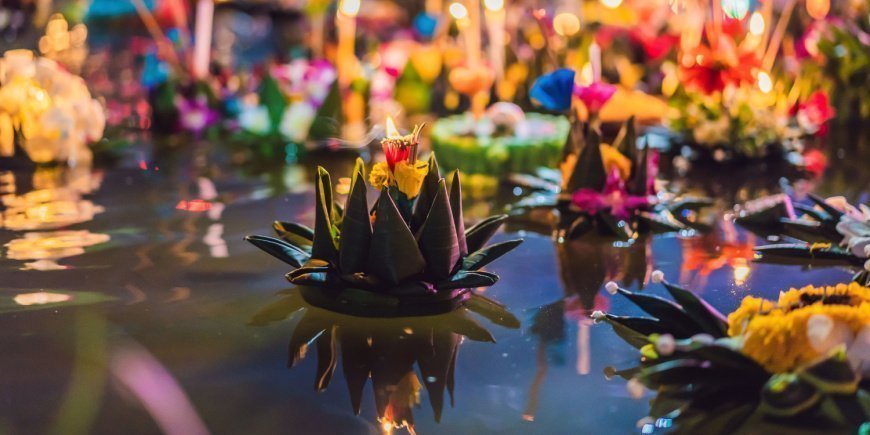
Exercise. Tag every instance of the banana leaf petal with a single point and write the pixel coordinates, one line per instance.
(635, 330)
(710, 319)
(295, 234)
(427, 194)
(787, 395)
(829, 209)
(437, 237)
(638, 184)
(626, 141)
(489, 254)
(589, 171)
(280, 249)
(324, 247)
(479, 234)
(356, 227)
(456, 208)
(393, 254)
(679, 324)
(833, 375)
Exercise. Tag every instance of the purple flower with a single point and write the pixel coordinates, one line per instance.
(195, 115)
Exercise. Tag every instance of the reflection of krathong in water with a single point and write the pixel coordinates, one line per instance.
(386, 351)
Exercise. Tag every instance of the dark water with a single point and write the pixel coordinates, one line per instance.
(127, 297)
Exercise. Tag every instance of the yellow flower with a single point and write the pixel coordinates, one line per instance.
(613, 159)
(409, 177)
(774, 334)
(381, 176)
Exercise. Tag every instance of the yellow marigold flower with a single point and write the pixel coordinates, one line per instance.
(409, 177)
(775, 334)
(381, 176)
(613, 159)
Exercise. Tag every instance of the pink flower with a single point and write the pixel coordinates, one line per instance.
(195, 115)
(595, 95)
(814, 113)
(614, 198)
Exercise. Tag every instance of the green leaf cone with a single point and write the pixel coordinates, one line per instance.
(589, 171)
(437, 236)
(393, 254)
(637, 185)
(324, 242)
(626, 141)
(480, 233)
(356, 227)
(427, 194)
(456, 207)
(574, 141)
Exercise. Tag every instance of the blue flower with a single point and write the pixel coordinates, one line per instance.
(553, 90)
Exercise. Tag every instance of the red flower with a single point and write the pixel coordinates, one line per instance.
(815, 162)
(710, 70)
(814, 113)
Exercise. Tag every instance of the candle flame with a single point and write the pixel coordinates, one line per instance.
(392, 131)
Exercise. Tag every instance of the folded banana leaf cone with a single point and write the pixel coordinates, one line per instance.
(815, 234)
(399, 257)
(607, 189)
(400, 356)
(706, 377)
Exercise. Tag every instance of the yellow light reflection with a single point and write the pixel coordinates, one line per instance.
(40, 298)
(741, 271)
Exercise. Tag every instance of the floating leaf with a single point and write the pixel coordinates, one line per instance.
(393, 255)
(489, 254)
(280, 249)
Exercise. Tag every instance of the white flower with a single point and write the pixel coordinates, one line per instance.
(255, 119)
(824, 333)
(635, 388)
(665, 345)
(611, 287)
(296, 121)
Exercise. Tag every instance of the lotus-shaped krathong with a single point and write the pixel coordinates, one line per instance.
(401, 257)
(819, 232)
(769, 367)
(611, 188)
(386, 351)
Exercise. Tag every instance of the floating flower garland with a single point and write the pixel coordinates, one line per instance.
(801, 358)
(410, 254)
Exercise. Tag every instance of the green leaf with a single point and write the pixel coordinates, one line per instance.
(296, 234)
(456, 208)
(356, 227)
(786, 395)
(634, 330)
(393, 255)
(637, 185)
(280, 249)
(675, 320)
(489, 254)
(427, 194)
(711, 320)
(324, 247)
(833, 375)
(479, 234)
(329, 118)
(626, 141)
(437, 237)
(272, 97)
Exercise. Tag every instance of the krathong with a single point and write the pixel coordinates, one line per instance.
(608, 187)
(386, 351)
(825, 231)
(46, 111)
(774, 365)
(409, 254)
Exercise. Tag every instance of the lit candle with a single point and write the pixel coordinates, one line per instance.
(345, 21)
(495, 22)
(202, 35)
(595, 61)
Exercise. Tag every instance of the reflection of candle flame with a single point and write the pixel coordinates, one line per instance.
(392, 131)
(741, 272)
